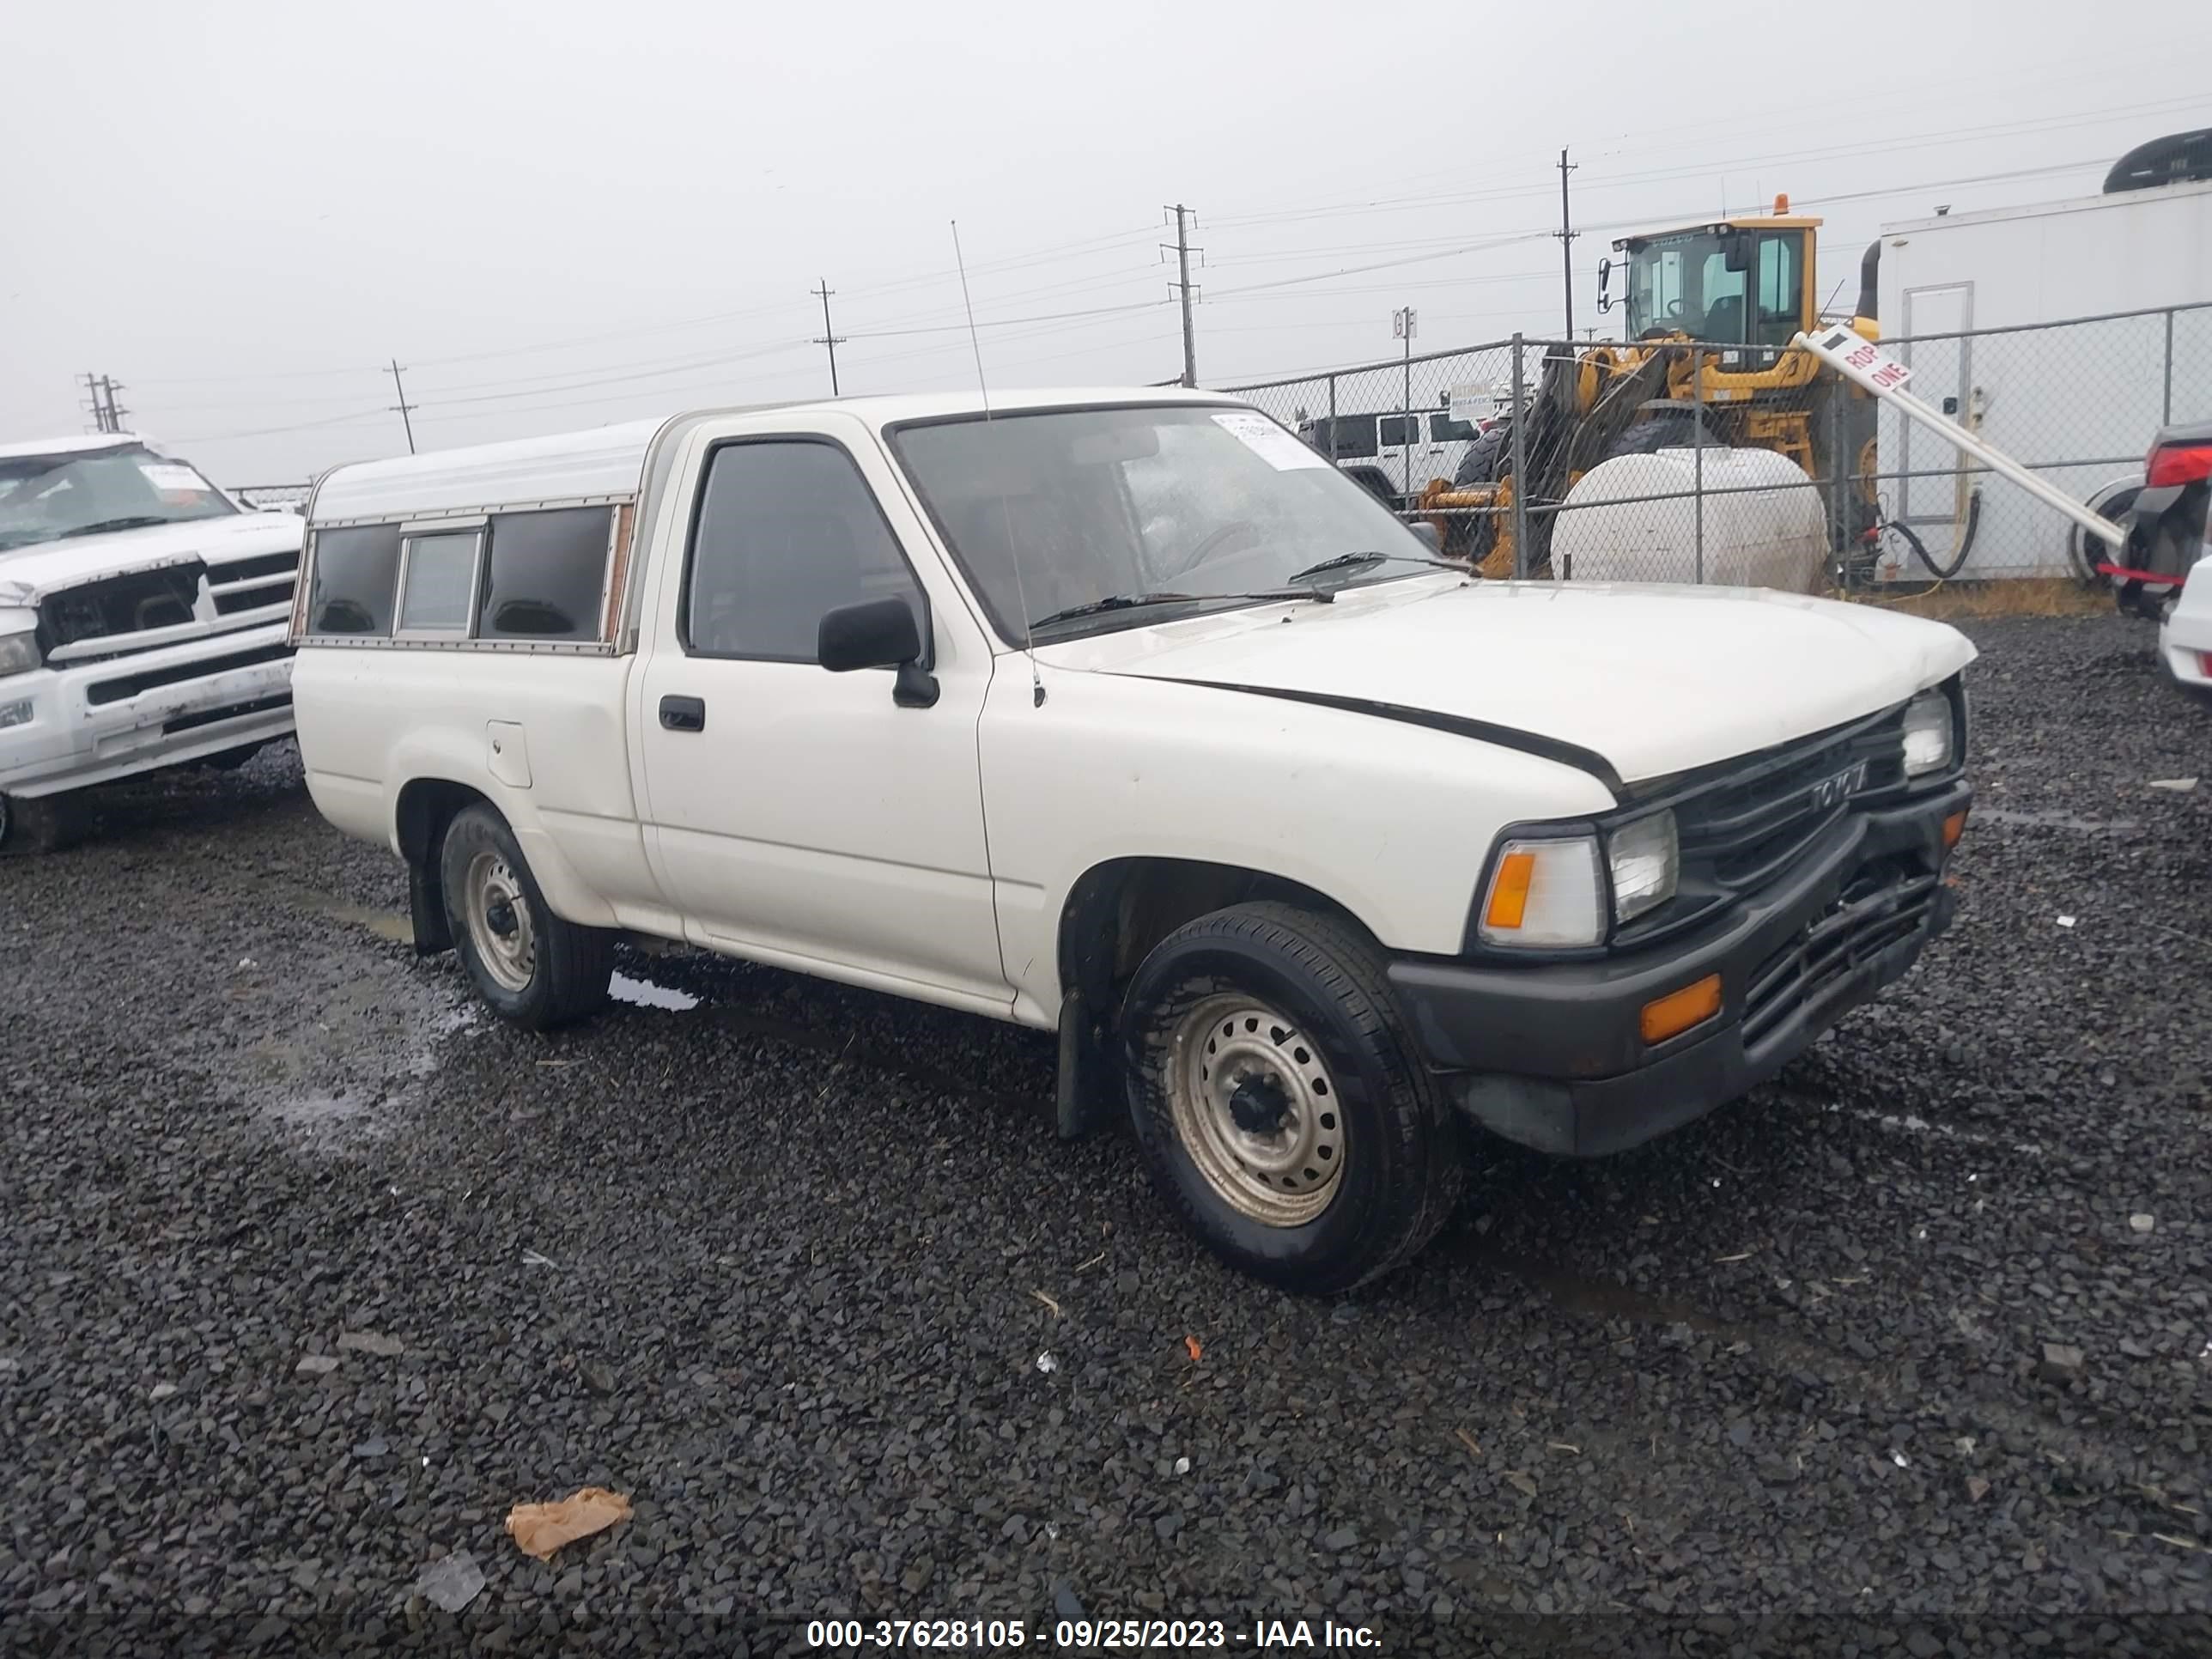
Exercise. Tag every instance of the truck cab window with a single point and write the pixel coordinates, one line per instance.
(787, 530)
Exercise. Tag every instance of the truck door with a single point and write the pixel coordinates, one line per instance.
(794, 815)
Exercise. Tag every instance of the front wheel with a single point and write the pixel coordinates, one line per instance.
(46, 825)
(533, 968)
(1279, 1102)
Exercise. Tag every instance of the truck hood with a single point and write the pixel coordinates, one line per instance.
(28, 574)
(1653, 680)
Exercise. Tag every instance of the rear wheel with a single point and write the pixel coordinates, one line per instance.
(1280, 1107)
(533, 968)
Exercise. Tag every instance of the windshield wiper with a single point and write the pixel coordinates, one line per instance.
(100, 527)
(1130, 601)
(1360, 560)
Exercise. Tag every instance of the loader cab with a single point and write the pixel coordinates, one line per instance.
(1745, 282)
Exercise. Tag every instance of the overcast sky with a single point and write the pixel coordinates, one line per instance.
(560, 213)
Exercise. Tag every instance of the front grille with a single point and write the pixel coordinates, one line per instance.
(1742, 825)
(253, 584)
(130, 685)
(1743, 830)
(117, 606)
(1884, 904)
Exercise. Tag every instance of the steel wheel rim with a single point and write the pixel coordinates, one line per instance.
(494, 895)
(1234, 1060)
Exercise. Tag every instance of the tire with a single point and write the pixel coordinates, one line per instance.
(1670, 430)
(29, 829)
(1386, 1165)
(557, 972)
(229, 760)
(2114, 500)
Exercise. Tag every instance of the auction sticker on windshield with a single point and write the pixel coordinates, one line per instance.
(167, 476)
(1269, 441)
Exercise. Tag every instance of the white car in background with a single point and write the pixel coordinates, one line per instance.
(142, 623)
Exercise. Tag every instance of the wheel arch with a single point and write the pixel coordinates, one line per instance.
(1117, 910)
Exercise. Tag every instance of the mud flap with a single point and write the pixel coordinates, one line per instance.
(1089, 1095)
(426, 909)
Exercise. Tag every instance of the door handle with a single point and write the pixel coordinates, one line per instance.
(683, 714)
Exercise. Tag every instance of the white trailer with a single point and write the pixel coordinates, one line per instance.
(2091, 363)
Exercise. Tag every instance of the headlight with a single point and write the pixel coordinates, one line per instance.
(1544, 893)
(19, 653)
(1927, 734)
(1645, 860)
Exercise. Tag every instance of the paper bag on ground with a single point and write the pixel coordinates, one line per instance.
(542, 1529)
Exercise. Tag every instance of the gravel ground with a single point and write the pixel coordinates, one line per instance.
(311, 1273)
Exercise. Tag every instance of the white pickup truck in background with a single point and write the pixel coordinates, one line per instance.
(1124, 714)
(142, 624)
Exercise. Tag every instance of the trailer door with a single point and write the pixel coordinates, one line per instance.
(1942, 373)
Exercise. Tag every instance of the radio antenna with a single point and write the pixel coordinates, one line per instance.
(1005, 517)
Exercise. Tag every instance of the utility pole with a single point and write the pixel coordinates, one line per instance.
(403, 408)
(830, 335)
(106, 413)
(1402, 323)
(1566, 234)
(1184, 217)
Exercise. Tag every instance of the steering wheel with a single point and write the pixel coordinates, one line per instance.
(1674, 309)
(1212, 542)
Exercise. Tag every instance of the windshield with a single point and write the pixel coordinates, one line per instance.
(1047, 513)
(45, 498)
(1682, 284)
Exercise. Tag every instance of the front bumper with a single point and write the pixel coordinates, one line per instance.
(86, 723)
(1552, 1055)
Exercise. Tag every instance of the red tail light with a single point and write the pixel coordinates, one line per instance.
(2180, 464)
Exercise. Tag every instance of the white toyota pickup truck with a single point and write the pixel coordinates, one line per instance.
(143, 622)
(1124, 714)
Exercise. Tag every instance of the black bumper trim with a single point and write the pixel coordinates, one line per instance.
(1552, 1055)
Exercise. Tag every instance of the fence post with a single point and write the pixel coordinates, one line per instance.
(1698, 453)
(2166, 417)
(1840, 501)
(1520, 464)
(1332, 417)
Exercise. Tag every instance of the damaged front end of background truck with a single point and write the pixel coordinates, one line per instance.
(143, 622)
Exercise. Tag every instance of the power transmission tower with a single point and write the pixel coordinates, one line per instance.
(403, 408)
(1184, 218)
(98, 404)
(829, 336)
(115, 410)
(1566, 234)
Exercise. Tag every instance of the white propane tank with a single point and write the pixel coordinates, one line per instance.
(1775, 534)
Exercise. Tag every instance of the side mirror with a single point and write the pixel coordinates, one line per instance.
(1426, 532)
(1604, 281)
(877, 634)
(1735, 251)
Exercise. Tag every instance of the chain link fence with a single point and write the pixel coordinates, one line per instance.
(1681, 462)
(274, 498)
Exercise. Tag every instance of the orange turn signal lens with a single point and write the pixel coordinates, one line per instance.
(1678, 1010)
(1508, 892)
(1953, 827)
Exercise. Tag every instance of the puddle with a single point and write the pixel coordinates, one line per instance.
(2053, 820)
(644, 993)
(385, 924)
